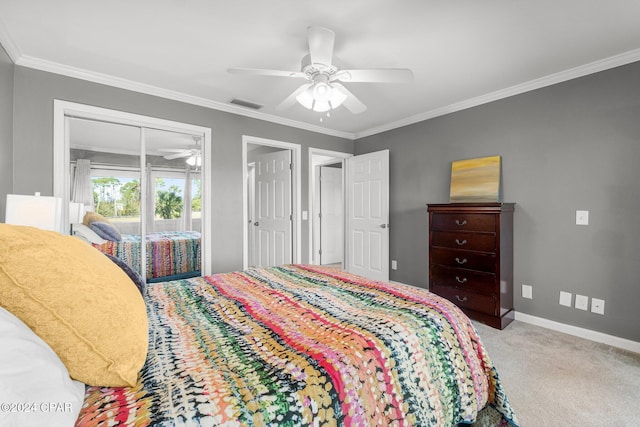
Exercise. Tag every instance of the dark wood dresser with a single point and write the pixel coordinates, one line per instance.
(471, 258)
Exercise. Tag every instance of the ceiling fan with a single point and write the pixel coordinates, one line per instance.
(192, 153)
(324, 90)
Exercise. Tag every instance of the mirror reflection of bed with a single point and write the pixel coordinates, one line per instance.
(108, 178)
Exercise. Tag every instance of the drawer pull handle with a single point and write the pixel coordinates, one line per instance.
(461, 261)
(459, 280)
(460, 243)
(463, 299)
(464, 221)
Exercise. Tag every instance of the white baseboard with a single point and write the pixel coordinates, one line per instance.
(572, 330)
(580, 332)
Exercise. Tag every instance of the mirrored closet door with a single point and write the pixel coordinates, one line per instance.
(136, 188)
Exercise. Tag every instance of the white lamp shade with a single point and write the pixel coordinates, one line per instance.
(36, 211)
(337, 97)
(306, 98)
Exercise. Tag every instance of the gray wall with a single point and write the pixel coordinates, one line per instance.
(33, 146)
(571, 146)
(6, 129)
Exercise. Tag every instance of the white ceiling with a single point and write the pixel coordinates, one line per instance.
(462, 52)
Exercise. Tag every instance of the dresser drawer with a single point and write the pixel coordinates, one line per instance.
(463, 222)
(484, 283)
(485, 242)
(469, 300)
(464, 259)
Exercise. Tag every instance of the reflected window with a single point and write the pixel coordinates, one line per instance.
(176, 206)
(116, 196)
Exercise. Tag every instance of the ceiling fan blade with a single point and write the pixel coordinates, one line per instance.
(263, 72)
(183, 153)
(352, 103)
(290, 100)
(171, 150)
(381, 75)
(321, 41)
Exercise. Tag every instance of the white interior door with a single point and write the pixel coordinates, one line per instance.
(273, 217)
(331, 215)
(367, 213)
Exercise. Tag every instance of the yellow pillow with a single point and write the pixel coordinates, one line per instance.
(90, 217)
(78, 301)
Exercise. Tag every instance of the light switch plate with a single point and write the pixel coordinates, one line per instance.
(565, 298)
(581, 302)
(394, 264)
(582, 217)
(597, 306)
(527, 291)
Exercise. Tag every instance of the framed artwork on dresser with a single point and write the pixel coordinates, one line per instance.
(475, 180)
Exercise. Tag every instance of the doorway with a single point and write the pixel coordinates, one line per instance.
(331, 215)
(271, 198)
(330, 249)
(365, 209)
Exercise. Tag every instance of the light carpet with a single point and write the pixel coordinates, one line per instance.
(555, 379)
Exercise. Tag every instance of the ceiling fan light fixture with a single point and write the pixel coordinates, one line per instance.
(322, 91)
(321, 106)
(306, 98)
(194, 160)
(321, 97)
(337, 98)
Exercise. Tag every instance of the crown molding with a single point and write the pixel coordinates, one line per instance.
(8, 44)
(562, 76)
(79, 73)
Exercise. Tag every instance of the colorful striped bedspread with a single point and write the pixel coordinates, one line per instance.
(304, 346)
(168, 253)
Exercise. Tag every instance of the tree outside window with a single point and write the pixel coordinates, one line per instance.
(115, 197)
(169, 201)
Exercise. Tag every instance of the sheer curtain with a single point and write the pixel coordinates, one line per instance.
(82, 188)
(150, 216)
(186, 211)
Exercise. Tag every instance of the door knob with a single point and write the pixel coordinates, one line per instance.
(384, 225)
(257, 223)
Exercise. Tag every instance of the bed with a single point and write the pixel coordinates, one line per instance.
(303, 346)
(170, 255)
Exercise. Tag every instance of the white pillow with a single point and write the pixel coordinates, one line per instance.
(85, 233)
(35, 388)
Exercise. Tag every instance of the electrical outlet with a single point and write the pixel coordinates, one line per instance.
(581, 302)
(597, 306)
(582, 217)
(565, 298)
(394, 264)
(527, 291)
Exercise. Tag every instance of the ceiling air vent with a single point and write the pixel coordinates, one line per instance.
(247, 104)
